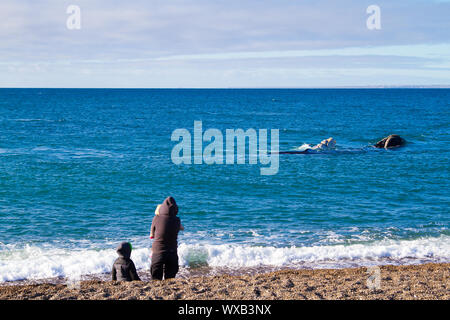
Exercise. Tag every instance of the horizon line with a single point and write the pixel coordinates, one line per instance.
(437, 86)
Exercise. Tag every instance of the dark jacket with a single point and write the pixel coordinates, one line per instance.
(123, 268)
(165, 227)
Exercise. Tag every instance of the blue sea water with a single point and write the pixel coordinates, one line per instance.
(83, 169)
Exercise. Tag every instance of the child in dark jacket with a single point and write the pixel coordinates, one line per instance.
(123, 268)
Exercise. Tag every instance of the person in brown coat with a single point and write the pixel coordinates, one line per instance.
(164, 232)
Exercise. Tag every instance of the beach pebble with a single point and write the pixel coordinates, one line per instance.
(288, 283)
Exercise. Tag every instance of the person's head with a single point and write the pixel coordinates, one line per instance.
(157, 210)
(124, 250)
(169, 207)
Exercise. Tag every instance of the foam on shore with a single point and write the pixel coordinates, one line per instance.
(32, 262)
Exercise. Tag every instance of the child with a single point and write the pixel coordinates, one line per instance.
(123, 268)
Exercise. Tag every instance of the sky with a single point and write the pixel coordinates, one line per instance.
(222, 44)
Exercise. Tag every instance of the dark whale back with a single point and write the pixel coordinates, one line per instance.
(391, 141)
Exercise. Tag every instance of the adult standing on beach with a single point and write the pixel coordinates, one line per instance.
(164, 230)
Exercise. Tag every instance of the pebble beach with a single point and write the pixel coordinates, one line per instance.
(413, 282)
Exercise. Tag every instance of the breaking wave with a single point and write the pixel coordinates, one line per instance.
(32, 262)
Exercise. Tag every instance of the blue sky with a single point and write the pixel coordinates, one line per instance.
(218, 43)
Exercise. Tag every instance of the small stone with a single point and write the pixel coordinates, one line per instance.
(288, 284)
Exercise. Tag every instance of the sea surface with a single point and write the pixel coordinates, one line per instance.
(83, 169)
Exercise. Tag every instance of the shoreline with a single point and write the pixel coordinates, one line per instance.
(422, 281)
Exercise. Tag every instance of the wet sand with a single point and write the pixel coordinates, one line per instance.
(426, 281)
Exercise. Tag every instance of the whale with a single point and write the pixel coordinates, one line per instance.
(294, 152)
(391, 141)
(324, 145)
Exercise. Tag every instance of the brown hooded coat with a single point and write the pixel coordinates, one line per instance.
(165, 227)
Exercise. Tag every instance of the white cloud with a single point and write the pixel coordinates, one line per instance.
(213, 43)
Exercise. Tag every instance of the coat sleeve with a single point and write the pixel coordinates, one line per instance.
(133, 272)
(114, 272)
(152, 228)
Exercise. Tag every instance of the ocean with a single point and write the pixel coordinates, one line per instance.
(82, 170)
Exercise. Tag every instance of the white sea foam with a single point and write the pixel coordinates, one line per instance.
(33, 120)
(32, 262)
(431, 249)
(64, 153)
(304, 147)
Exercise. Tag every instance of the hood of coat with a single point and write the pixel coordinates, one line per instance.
(124, 250)
(168, 207)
